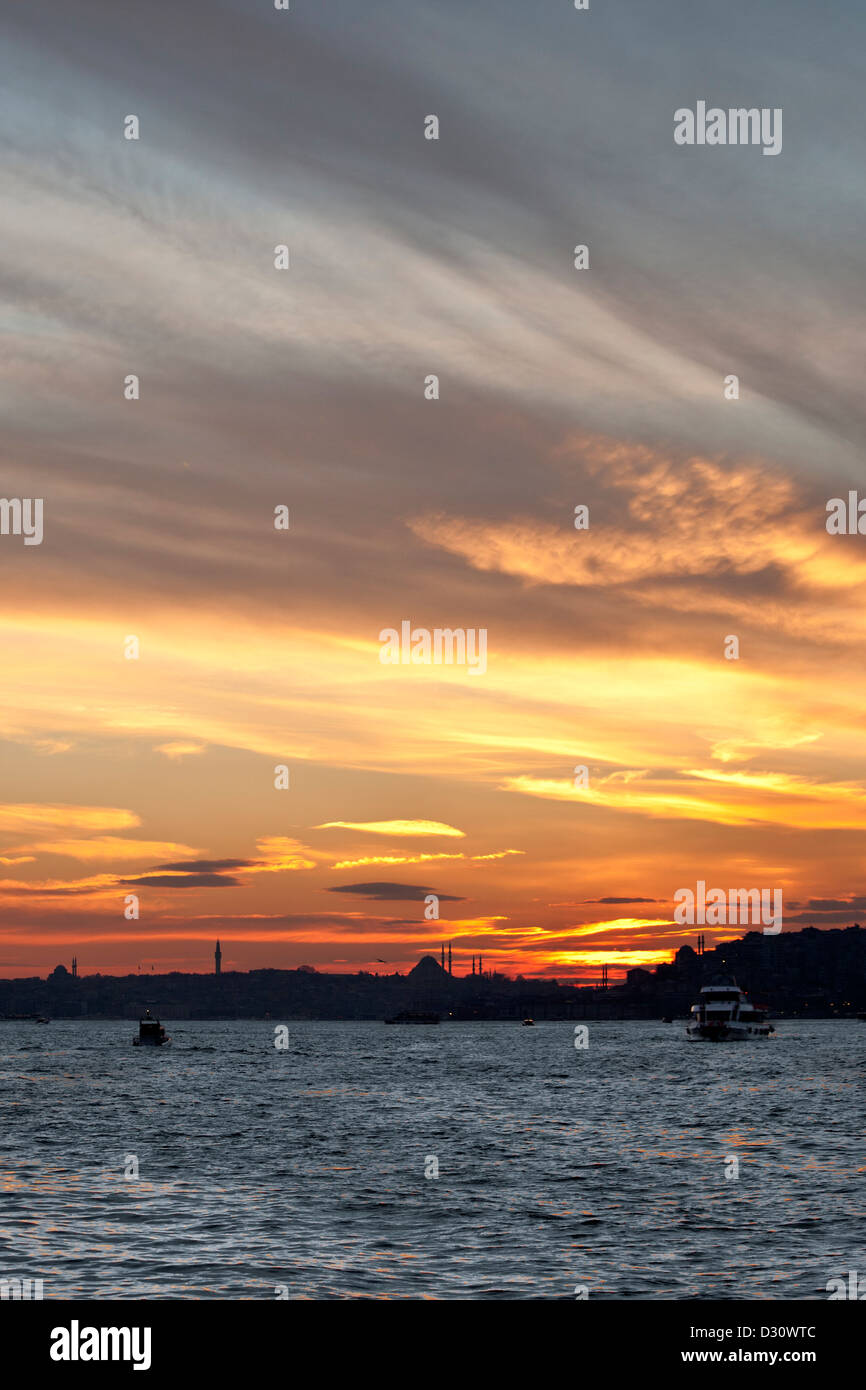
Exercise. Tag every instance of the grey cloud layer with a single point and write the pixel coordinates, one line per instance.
(407, 257)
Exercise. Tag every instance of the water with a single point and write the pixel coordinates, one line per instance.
(305, 1168)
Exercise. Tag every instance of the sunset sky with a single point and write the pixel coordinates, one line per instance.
(305, 388)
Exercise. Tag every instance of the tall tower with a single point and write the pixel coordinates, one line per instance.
(449, 957)
(75, 967)
(218, 960)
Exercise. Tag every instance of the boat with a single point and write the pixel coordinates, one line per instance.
(723, 1013)
(408, 1017)
(528, 1023)
(150, 1033)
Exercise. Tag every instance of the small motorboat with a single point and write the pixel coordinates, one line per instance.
(408, 1017)
(150, 1033)
(725, 1014)
(528, 1023)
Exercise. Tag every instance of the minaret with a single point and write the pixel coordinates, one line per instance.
(449, 957)
(218, 959)
(75, 967)
(480, 966)
(473, 965)
(443, 955)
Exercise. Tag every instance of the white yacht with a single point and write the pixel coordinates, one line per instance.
(724, 1014)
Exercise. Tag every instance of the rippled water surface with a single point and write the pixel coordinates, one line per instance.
(604, 1167)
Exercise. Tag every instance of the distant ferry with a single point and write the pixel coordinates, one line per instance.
(724, 1014)
(408, 1017)
(528, 1023)
(150, 1033)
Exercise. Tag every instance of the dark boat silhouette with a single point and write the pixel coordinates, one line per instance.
(150, 1033)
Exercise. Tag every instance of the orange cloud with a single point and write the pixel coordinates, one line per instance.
(179, 749)
(111, 847)
(57, 891)
(393, 827)
(394, 859)
(698, 519)
(772, 798)
(281, 855)
(28, 817)
(421, 858)
(498, 854)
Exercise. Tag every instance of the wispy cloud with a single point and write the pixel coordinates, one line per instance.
(180, 749)
(392, 892)
(394, 827)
